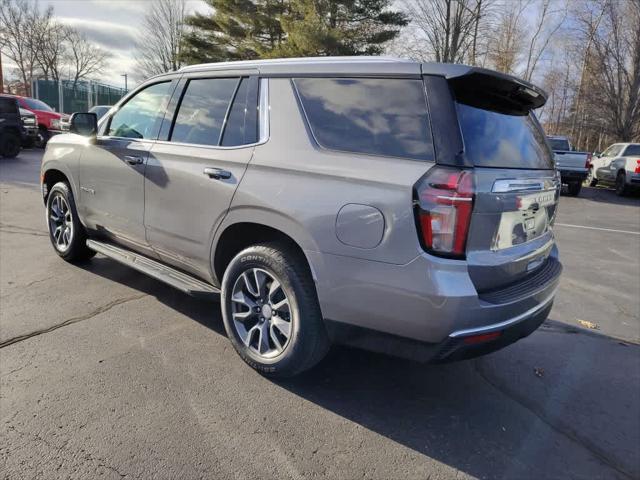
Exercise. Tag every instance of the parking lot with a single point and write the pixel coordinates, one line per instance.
(107, 373)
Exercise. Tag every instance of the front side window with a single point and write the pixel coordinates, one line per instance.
(140, 117)
(612, 151)
(202, 111)
(8, 105)
(366, 115)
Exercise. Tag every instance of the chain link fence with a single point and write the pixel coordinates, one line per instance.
(66, 97)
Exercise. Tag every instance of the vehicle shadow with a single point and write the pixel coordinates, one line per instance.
(608, 195)
(493, 417)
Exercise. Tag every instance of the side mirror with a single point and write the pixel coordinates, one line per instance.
(85, 124)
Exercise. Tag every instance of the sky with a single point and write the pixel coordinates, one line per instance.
(112, 24)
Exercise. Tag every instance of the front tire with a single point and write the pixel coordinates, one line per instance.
(10, 144)
(271, 311)
(66, 233)
(591, 180)
(574, 188)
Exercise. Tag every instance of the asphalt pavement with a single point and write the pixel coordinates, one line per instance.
(107, 373)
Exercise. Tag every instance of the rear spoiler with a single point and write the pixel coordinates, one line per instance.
(488, 89)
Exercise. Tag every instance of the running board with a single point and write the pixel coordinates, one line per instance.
(175, 278)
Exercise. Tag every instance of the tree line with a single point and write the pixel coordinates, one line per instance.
(43, 47)
(584, 53)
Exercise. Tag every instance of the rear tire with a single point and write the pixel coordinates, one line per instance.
(66, 232)
(268, 296)
(574, 188)
(10, 144)
(621, 185)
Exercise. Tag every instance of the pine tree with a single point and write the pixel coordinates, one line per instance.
(247, 29)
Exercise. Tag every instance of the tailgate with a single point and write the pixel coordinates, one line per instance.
(570, 160)
(510, 234)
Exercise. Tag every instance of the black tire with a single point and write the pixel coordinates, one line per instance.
(76, 250)
(574, 188)
(308, 342)
(621, 184)
(42, 138)
(10, 144)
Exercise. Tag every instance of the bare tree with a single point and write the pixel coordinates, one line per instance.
(160, 42)
(507, 43)
(449, 29)
(613, 64)
(51, 48)
(544, 30)
(20, 21)
(84, 58)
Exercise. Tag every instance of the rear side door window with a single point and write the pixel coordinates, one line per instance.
(632, 150)
(141, 116)
(376, 116)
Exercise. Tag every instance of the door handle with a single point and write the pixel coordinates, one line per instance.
(133, 159)
(217, 173)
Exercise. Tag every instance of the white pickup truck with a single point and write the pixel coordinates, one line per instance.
(618, 165)
(573, 166)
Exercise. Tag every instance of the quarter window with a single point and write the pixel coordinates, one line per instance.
(202, 111)
(365, 115)
(140, 116)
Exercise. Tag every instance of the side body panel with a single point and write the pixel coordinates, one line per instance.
(184, 205)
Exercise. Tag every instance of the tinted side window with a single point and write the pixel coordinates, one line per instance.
(202, 111)
(632, 150)
(365, 115)
(8, 105)
(241, 126)
(139, 117)
(493, 139)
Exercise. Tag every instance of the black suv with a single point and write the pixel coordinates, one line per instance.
(10, 127)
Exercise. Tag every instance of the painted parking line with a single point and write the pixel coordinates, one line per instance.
(596, 228)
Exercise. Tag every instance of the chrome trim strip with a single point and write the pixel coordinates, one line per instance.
(506, 323)
(264, 106)
(523, 185)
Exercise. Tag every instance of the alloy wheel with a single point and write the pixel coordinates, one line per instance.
(261, 312)
(60, 222)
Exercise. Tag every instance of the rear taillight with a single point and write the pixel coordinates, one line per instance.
(637, 166)
(587, 165)
(443, 210)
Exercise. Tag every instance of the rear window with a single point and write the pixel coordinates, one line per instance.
(559, 144)
(365, 115)
(632, 150)
(493, 139)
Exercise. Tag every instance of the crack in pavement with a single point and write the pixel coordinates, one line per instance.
(559, 427)
(71, 321)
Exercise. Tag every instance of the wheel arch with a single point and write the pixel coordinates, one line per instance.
(53, 173)
(235, 237)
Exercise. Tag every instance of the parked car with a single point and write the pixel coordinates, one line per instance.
(100, 110)
(325, 201)
(618, 165)
(10, 127)
(29, 128)
(48, 119)
(572, 165)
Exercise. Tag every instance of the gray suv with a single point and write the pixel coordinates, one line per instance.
(401, 207)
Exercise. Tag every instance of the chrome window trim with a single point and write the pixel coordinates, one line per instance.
(264, 108)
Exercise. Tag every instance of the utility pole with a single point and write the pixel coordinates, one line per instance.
(126, 89)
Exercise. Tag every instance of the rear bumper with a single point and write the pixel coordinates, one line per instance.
(426, 310)
(572, 175)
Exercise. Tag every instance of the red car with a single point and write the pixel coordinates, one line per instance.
(49, 121)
